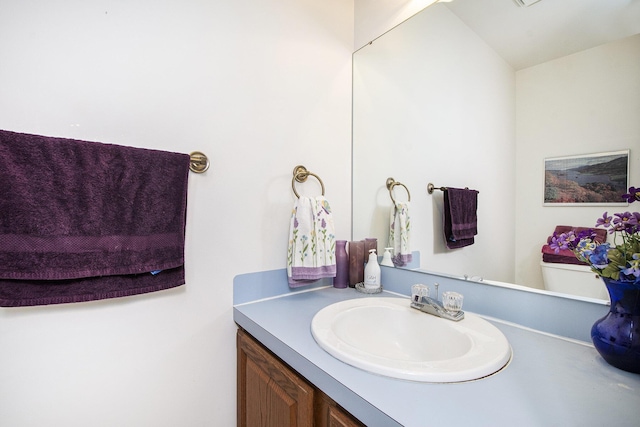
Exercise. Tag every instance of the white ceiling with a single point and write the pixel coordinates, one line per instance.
(549, 29)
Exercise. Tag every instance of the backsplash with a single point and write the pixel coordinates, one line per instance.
(570, 318)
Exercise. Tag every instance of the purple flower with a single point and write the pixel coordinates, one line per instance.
(323, 224)
(633, 195)
(574, 240)
(604, 221)
(615, 260)
(625, 221)
(558, 242)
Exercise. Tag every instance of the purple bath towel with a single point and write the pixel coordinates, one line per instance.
(82, 221)
(460, 217)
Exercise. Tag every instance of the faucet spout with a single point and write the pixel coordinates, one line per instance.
(420, 300)
(435, 308)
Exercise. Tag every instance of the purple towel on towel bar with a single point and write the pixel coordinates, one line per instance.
(82, 221)
(460, 217)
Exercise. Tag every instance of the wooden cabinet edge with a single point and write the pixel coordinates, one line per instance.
(317, 408)
(329, 414)
(290, 388)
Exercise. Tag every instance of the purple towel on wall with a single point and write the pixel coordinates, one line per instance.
(82, 221)
(460, 217)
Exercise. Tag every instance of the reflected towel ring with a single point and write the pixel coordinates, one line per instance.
(300, 174)
(392, 183)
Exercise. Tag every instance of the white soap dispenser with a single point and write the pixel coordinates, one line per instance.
(372, 272)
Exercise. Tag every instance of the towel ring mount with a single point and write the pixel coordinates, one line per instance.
(392, 183)
(300, 174)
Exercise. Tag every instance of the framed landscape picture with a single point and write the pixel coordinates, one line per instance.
(596, 179)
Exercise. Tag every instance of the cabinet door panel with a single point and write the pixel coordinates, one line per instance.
(269, 393)
(329, 414)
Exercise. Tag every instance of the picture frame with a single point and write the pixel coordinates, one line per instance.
(586, 179)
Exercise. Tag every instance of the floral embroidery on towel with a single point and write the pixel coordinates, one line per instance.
(399, 233)
(311, 250)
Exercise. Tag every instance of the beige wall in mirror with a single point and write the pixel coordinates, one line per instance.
(441, 99)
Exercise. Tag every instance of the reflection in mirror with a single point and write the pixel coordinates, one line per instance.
(450, 97)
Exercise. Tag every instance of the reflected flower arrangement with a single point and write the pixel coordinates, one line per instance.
(617, 261)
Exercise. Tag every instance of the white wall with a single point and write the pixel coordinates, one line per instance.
(260, 86)
(584, 103)
(433, 103)
(375, 17)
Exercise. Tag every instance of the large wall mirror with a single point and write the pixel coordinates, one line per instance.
(477, 93)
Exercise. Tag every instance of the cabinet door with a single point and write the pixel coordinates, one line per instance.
(329, 414)
(269, 393)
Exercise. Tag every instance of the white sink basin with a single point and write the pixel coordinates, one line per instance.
(387, 337)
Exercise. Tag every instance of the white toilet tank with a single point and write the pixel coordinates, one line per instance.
(573, 279)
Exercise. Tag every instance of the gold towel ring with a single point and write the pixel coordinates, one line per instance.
(392, 183)
(300, 174)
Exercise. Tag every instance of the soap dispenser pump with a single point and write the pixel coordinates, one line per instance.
(372, 271)
(386, 258)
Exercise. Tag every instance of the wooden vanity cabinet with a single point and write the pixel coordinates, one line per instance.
(271, 394)
(329, 414)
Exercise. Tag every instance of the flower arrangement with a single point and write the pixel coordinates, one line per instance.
(620, 261)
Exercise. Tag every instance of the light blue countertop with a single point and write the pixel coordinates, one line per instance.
(551, 381)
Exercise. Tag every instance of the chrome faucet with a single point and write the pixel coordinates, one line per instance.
(450, 309)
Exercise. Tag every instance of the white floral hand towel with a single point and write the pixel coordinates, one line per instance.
(399, 233)
(312, 242)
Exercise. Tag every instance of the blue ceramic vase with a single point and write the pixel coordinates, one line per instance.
(617, 335)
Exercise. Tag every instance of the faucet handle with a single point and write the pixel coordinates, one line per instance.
(418, 291)
(452, 301)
